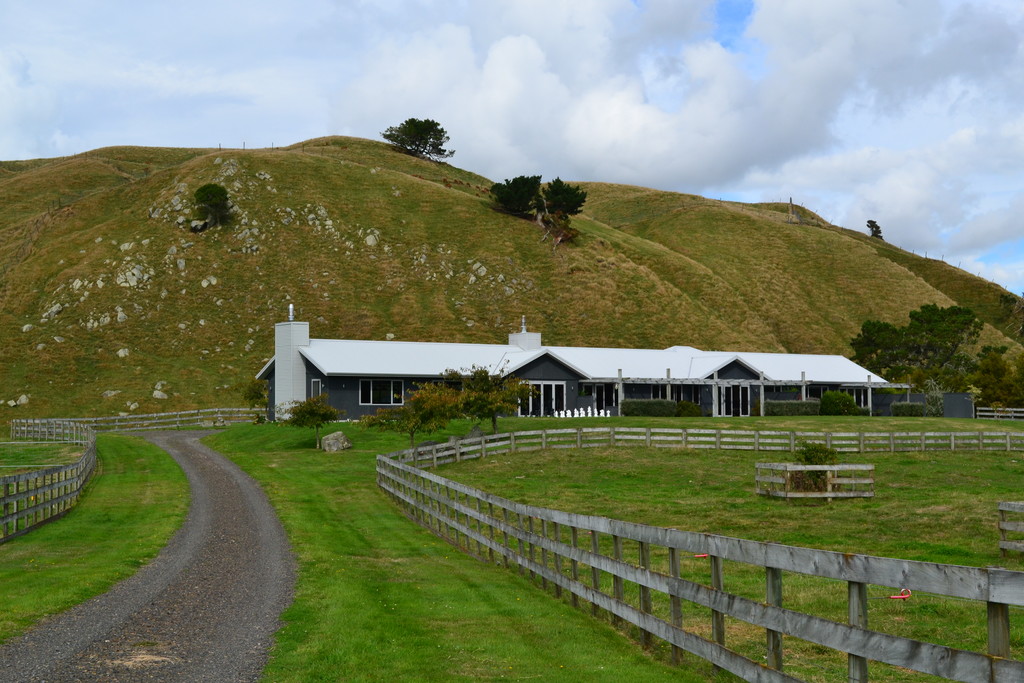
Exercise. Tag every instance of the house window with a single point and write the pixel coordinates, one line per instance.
(381, 392)
(316, 388)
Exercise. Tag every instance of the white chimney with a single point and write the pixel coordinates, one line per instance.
(289, 370)
(527, 341)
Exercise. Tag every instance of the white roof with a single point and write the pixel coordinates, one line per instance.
(430, 359)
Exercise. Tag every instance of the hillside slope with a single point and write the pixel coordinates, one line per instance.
(107, 295)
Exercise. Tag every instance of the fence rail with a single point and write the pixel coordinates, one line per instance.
(30, 499)
(731, 439)
(1011, 528)
(129, 423)
(585, 556)
(999, 413)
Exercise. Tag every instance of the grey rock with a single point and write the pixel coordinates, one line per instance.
(336, 441)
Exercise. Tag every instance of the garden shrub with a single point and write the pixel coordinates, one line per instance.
(838, 403)
(813, 454)
(791, 408)
(648, 407)
(907, 409)
(688, 409)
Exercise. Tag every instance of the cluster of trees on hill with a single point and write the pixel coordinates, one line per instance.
(938, 347)
(551, 205)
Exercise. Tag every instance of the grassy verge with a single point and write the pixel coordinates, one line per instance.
(25, 457)
(379, 598)
(126, 515)
(933, 506)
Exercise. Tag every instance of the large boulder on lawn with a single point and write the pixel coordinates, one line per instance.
(336, 441)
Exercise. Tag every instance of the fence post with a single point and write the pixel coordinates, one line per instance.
(595, 573)
(773, 596)
(676, 603)
(645, 592)
(618, 588)
(717, 618)
(857, 607)
(574, 565)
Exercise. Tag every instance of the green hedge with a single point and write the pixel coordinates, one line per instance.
(649, 407)
(688, 409)
(811, 406)
(907, 409)
(838, 403)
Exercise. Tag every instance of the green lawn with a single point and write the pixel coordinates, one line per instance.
(129, 510)
(935, 506)
(380, 598)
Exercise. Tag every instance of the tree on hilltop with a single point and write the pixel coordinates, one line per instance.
(875, 230)
(424, 138)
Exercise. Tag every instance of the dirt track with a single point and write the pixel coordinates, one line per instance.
(205, 609)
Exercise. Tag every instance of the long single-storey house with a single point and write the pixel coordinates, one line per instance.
(360, 377)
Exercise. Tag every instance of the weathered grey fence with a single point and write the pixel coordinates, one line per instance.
(585, 556)
(778, 479)
(729, 439)
(1011, 528)
(31, 499)
(129, 423)
(999, 413)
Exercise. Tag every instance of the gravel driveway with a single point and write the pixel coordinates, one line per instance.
(205, 609)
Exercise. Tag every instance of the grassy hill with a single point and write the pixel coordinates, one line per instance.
(106, 293)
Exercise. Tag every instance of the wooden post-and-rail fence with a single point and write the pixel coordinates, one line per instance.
(635, 572)
(30, 499)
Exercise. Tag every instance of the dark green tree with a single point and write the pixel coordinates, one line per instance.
(212, 204)
(486, 395)
(935, 345)
(312, 413)
(517, 196)
(875, 230)
(430, 408)
(562, 198)
(254, 393)
(424, 138)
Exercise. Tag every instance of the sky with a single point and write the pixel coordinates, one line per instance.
(906, 112)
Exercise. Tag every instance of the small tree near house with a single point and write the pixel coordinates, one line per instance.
(429, 409)
(486, 395)
(313, 413)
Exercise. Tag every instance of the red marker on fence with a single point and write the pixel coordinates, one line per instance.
(701, 555)
(903, 595)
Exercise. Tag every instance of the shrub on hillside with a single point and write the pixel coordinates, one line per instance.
(688, 409)
(792, 408)
(649, 407)
(907, 409)
(838, 403)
